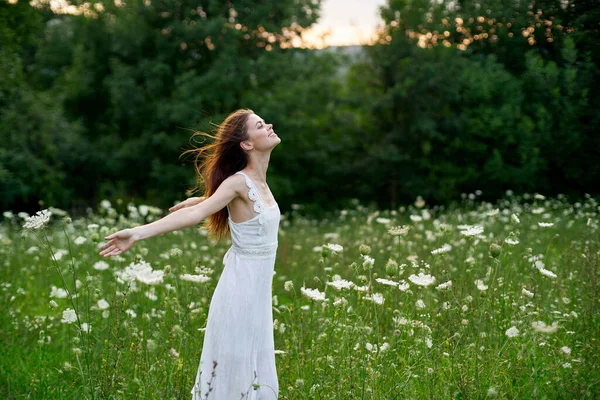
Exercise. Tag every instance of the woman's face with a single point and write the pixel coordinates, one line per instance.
(262, 135)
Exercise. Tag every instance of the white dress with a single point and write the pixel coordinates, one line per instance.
(239, 329)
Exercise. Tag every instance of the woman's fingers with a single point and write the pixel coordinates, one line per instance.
(113, 253)
(105, 245)
(175, 207)
(108, 250)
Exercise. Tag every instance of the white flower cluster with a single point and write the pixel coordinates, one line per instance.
(100, 265)
(340, 284)
(376, 298)
(545, 224)
(200, 278)
(68, 316)
(142, 272)
(422, 279)
(444, 286)
(39, 220)
(398, 230)
(480, 285)
(512, 331)
(444, 249)
(313, 294)
(472, 231)
(336, 248)
(540, 326)
(539, 264)
(386, 282)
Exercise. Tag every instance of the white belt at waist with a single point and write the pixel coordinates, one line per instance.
(253, 252)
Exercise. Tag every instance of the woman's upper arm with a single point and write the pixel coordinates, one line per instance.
(228, 190)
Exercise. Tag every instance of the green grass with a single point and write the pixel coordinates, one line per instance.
(147, 343)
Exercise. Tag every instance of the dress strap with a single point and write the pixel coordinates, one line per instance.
(253, 194)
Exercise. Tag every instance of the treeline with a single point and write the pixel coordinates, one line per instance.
(455, 97)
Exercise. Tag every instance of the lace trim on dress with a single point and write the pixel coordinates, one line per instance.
(253, 193)
(258, 204)
(257, 252)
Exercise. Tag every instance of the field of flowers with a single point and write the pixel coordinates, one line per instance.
(475, 300)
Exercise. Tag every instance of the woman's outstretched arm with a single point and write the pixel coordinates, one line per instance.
(121, 241)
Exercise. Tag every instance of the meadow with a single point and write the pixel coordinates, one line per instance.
(474, 300)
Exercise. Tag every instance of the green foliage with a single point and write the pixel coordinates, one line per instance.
(453, 98)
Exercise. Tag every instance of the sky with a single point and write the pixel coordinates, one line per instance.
(347, 21)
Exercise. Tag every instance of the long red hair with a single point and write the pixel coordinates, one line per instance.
(217, 161)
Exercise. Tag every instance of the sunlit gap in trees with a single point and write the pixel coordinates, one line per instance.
(460, 33)
(292, 36)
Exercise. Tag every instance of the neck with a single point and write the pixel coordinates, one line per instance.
(258, 165)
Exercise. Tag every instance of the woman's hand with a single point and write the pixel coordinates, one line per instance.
(118, 242)
(192, 201)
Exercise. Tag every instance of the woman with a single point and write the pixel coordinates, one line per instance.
(238, 354)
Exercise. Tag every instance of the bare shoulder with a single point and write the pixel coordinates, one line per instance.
(237, 182)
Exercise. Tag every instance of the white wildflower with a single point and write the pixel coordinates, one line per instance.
(444, 249)
(422, 279)
(103, 304)
(512, 331)
(527, 292)
(200, 278)
(68, 316)
(420, 304)
(59, 293)
(403, 285)
(443, 286)
(511, 241)
(545, 224)
(540, 326)
(428, 342)
(336, 248)
(547, 273)
(480, 285)
(175, 252)
(368, 262)
(79, 240)
(376, 298)
(39, 220)
(142, 272)
(472, 231)
(399, 230)
(386, 282)
(515, 218)
(313, 294)
(100, 265)
(340, 284)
